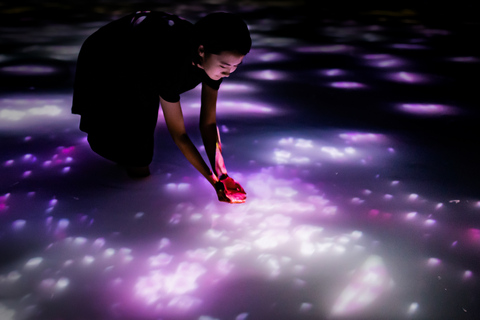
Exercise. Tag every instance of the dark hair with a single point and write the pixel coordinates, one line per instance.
(221, 31)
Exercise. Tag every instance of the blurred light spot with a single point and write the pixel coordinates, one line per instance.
(237, 87)
(332, 72)
(408, 46)
(412, 309)
(411, 215)
(337, 48)
(474, 234)
(465, 59)
(347, 85)
(433, 262)
(426, 109)
(28, 70)
(13, 276)
(305, 307)
(267, 75)
(18, 224)
(407, 77)
(88, 260)
(109, 252)
(388, 197)
(49, 110)
(357, 201)
(413, 197)
(62, 283)
(162, 259)
(34, 262)
(99, 243)
(11, 115)
(332, 151)
(467, 274)
(242, 316)
(79, 241)
(430, 222)
(367, 285)
(350, 150)
(63, 223)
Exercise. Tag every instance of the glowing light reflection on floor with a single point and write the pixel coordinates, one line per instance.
(325, 224)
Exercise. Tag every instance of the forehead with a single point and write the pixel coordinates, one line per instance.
(231, 58)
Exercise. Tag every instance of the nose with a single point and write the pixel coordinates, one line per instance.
(227, 73)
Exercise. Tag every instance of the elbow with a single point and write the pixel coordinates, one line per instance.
(180, 138)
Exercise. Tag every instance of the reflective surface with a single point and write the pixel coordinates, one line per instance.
(354, 133)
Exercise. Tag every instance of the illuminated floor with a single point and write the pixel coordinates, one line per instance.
(355, 137)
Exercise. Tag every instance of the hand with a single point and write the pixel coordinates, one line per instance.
(229, 190)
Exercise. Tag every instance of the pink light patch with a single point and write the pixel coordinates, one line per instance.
(361, 137)
(426, 109)
(347, 85)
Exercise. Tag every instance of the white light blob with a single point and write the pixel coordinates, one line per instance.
(161, 259)
(412, 309)
(33, 263)
(433, 262)
(367, 285)
(18, 225)
(269, 75)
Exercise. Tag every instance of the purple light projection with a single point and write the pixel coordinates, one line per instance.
(383, 61)
(407, 77)
(333, 72)
(264, 56)
(28, 70)
(336, 48)
(347, 85)
(269, 75)
(408, 46)
(155, 249)
(426, 109)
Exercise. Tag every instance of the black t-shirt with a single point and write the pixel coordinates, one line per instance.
(164, 48)
(122, 70)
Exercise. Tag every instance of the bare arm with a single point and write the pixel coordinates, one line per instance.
(228, 189)
(176, 126)
(208, 129)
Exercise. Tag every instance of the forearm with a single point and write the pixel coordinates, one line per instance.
(190, 152)
(209, 137)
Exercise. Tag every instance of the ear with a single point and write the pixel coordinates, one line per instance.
(201, 51)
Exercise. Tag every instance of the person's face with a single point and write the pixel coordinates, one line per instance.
(221, 65)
